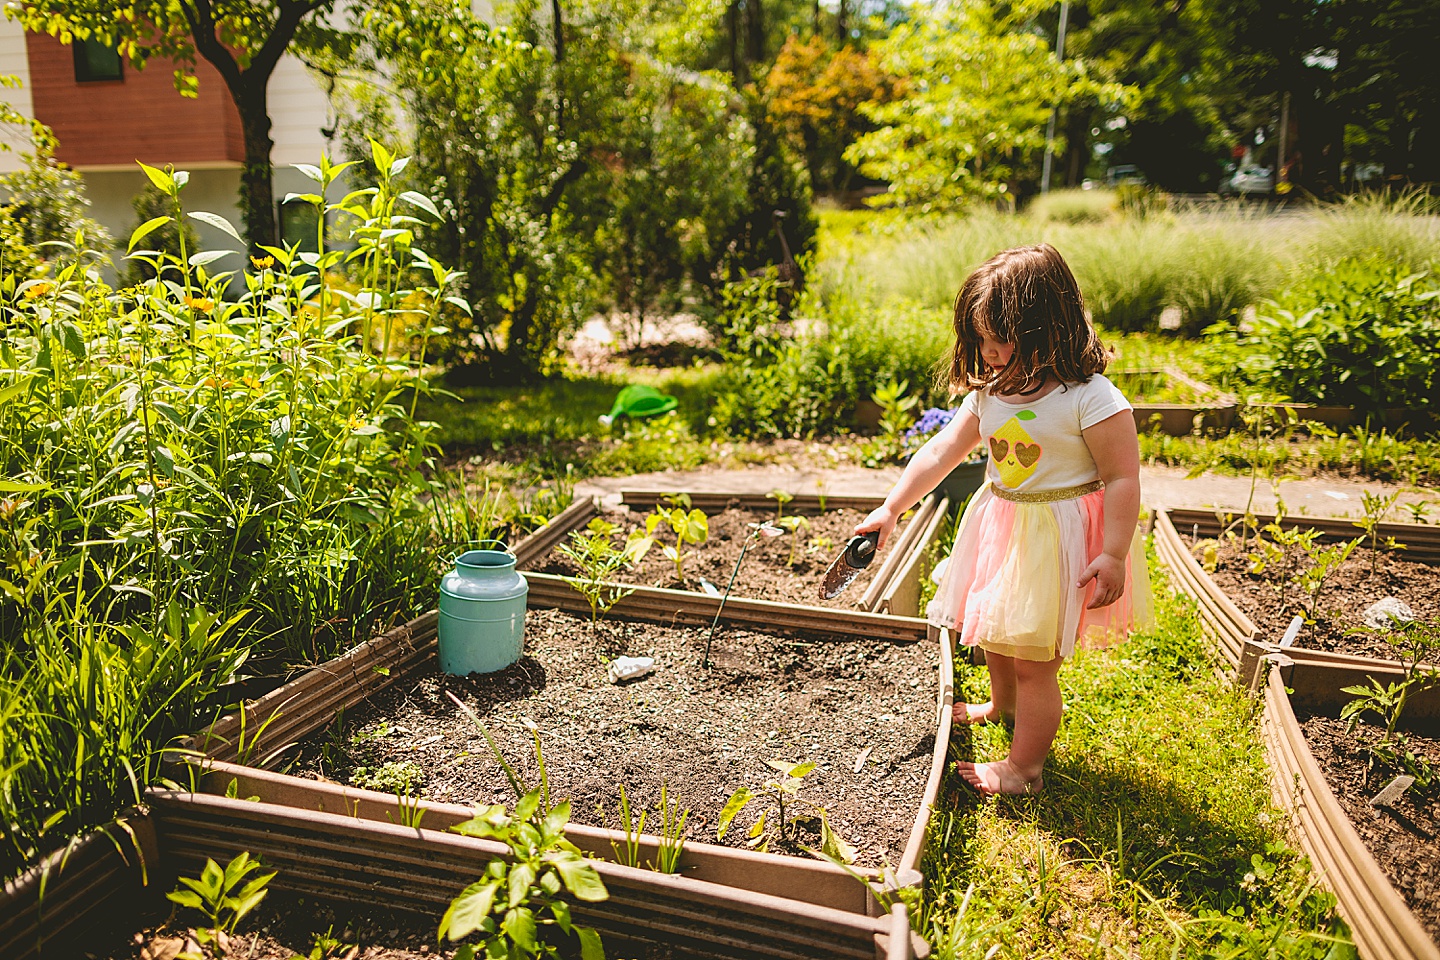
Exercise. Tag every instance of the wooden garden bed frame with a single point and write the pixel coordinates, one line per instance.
(1380, 921)
(1382, 924)
(1182, 419)
(770, 890)
(54, 908)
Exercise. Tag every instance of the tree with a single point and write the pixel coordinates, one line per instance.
(242, 39)
(813, 94)
(975, 96)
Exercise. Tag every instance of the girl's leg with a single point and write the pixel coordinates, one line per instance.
(1001, 705)
(1037, 719)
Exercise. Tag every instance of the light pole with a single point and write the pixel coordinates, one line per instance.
(1050, 127)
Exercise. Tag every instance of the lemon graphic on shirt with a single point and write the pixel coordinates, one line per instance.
(1014, 452)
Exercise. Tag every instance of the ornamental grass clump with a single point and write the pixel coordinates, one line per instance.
(215, 467)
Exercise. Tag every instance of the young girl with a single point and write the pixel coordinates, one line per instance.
(1047, 552)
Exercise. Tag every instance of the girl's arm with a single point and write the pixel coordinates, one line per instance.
(941, 454)
(1116, 451)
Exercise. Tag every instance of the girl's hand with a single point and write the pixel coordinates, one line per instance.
(1109, 575)
(882, 519)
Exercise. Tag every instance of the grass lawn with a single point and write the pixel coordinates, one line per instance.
(1155, 836)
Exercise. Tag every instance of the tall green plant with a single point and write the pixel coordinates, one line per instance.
(212, 465)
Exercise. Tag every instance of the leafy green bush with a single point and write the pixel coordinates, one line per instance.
(201, 469)
(44, 211)
(1364, 334)
(1073, 206)
(804, 379)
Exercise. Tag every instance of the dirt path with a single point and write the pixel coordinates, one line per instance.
(1161, 486)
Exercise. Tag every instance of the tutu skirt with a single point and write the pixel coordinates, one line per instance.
(1009, 583)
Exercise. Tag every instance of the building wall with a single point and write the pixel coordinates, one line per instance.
(109, 124)
(14, 63)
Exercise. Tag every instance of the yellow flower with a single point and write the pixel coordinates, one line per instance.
(263, 263)
(202, 304)
(354, 423)
(39, 290)
(251, 382)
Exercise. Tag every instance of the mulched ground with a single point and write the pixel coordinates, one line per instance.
(767, 572)
(1271, 601)
(1403, 838)
(703, 733)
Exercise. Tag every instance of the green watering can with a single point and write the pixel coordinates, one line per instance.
(638, 401)
(482, 612)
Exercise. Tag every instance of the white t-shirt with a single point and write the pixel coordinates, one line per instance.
(1036, 445)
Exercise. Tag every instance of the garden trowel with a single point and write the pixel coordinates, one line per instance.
(855, 557)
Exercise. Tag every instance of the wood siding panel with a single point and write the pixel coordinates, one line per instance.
(139, 117)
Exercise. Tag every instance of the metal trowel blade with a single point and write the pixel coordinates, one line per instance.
(842, 572)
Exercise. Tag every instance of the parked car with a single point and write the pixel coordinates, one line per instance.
(1124, 173)
(1247, 181)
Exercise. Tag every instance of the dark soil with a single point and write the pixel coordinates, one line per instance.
(1271, 601)
(702, 733)
(1403, 837)
(765, 574)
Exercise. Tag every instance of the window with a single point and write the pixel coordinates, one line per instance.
(298, 223)
(96, 60)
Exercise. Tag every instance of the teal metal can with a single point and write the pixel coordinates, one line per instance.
(482, 612)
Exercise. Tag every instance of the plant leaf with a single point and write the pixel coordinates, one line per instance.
(469, 910)
(145, 229)
(734, 805)
(216, 221)
(580, 878)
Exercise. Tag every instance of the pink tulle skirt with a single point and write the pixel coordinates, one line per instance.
(1009, 583)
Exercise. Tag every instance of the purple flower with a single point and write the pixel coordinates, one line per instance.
(931, 421)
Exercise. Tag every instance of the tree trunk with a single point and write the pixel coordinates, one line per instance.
(842, 26)
(754, 33)
(257, 197)
(732, 22)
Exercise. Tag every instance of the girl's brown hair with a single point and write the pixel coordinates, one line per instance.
(1029, 298)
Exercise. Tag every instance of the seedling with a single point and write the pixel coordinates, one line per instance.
(1375, 509)
(224, 896)
(689, 528)
(595, 554)
(1324, 561)
(1419, 651)
(794, 524)
(518, 896)
(1418, 510)
(672, 833)
(781, 497)
(785, 826)
(629, 855)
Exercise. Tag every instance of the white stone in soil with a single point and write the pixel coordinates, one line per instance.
(1387, 612)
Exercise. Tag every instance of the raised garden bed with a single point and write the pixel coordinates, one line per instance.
(1378, 860)
(790, 888)
(58, 906)
(704, 731)
(1318, 764)
(1236, 606)
(1167, 400)
(785, 569)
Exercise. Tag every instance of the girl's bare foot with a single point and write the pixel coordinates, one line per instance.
(1001, 777)
(976, 714)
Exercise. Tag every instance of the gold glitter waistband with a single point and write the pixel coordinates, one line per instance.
(1045, 496)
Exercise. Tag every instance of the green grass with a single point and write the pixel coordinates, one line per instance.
(554, 425)
(1155, 836)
